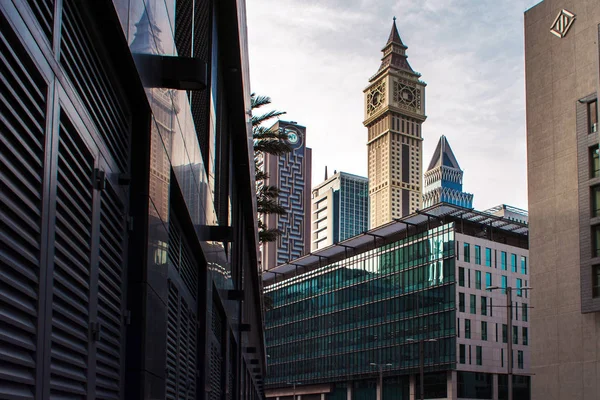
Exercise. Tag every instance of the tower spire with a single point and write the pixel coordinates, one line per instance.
(394, 51)
(394, 35)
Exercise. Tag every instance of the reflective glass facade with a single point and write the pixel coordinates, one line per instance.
(331, 323)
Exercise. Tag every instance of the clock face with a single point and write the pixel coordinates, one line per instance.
(375, 97)
(406, 95)
(293, 137)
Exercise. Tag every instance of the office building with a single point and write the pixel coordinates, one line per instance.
(291, 173)
(340, 209)
(562, 52)
(394, 112)
(443, 179)
(509, 212)
(357, 313)
(128, 237)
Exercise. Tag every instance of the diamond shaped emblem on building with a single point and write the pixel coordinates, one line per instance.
(562, 23)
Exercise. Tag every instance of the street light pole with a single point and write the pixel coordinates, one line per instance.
(509, 345)
(380, 367)
(509, 357)
(421, 363)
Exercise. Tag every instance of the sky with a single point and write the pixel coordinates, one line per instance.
(314, 58)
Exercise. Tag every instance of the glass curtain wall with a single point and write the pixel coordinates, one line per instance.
(331, 323)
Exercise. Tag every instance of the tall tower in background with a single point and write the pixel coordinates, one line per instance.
(340, 209)
(291, 173)
(394, 112)
(443, 179)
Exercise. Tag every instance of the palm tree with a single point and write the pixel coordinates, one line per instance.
(270, 141)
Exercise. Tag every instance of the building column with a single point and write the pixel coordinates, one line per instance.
(378, 391)
(495, 386)
(412, 388)
(322, 396)
(452, 387)
(349, 391)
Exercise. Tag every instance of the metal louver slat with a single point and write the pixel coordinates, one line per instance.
(110, 296)
(91, 81)
(22, 124)
(70, 291)
(44, 13)
(181, 258)
(172, 349)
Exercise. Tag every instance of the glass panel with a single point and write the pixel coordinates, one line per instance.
(461, 302)
(594, 162)
(483, 305)
(595, 200)
(478, 355)
(467, 328)
(477, 255)
(483, 330)
(513, 262)
(488, 257)
(488, 279)
(595, 240)
(473, 304)
(467, 252)
(593, 116)
(477, 279)
(523, 265)
(524, 312)
(519, 286)
(461, 276)
(596, 281)
(525, 336)
(503, 260)
(462, 355)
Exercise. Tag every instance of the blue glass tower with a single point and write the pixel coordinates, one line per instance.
(443, 179)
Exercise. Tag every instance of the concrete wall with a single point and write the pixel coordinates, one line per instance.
(565, 343)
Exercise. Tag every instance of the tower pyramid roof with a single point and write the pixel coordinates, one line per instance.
(443, 155)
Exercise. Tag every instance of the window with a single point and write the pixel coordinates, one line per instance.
(525, 335)
(503, 260)
(477, 279)
(457, 250)
(483, 305)
(461, 351)
(527, 291)
(458, 327)
(477, 255)
(483, 330)
(595, 201)
(513, 262)
(467, 329)
(473, 304)
(516, 311)
(488, 257)
(593, 116)
(461, 302)
(519, 286)
(469, 354)
(488, 280)
(596, 241)
(496, 332)
(594, 162)
(467, 252)
(468, 277)
(523, 265)
(524, 310)
(515, 334)
(461, 276)
(491, 307)
(478, 355)
(504, 333)
(596, 281)
(520, 359)
(504, 283)
(502, 357)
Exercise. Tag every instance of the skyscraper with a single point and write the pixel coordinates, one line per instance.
(562, 52)
(340, 209)
(291, 173)
(443, 179)
(394, 112)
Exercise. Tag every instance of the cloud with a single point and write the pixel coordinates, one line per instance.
(314, 58)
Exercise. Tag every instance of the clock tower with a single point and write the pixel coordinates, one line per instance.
(394, 112)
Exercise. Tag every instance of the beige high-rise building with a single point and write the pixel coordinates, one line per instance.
(562, 53)
(394, 112)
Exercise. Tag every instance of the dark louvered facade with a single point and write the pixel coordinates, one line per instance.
(128, 246)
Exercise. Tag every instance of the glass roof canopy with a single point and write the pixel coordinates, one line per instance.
(378, 235)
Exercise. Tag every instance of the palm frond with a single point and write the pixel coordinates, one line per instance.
(268, 235)
(272, 146)
(259, 119)
(269, 206)
(260, 176)
(257, 101)
(268, 191)
(261, 132)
